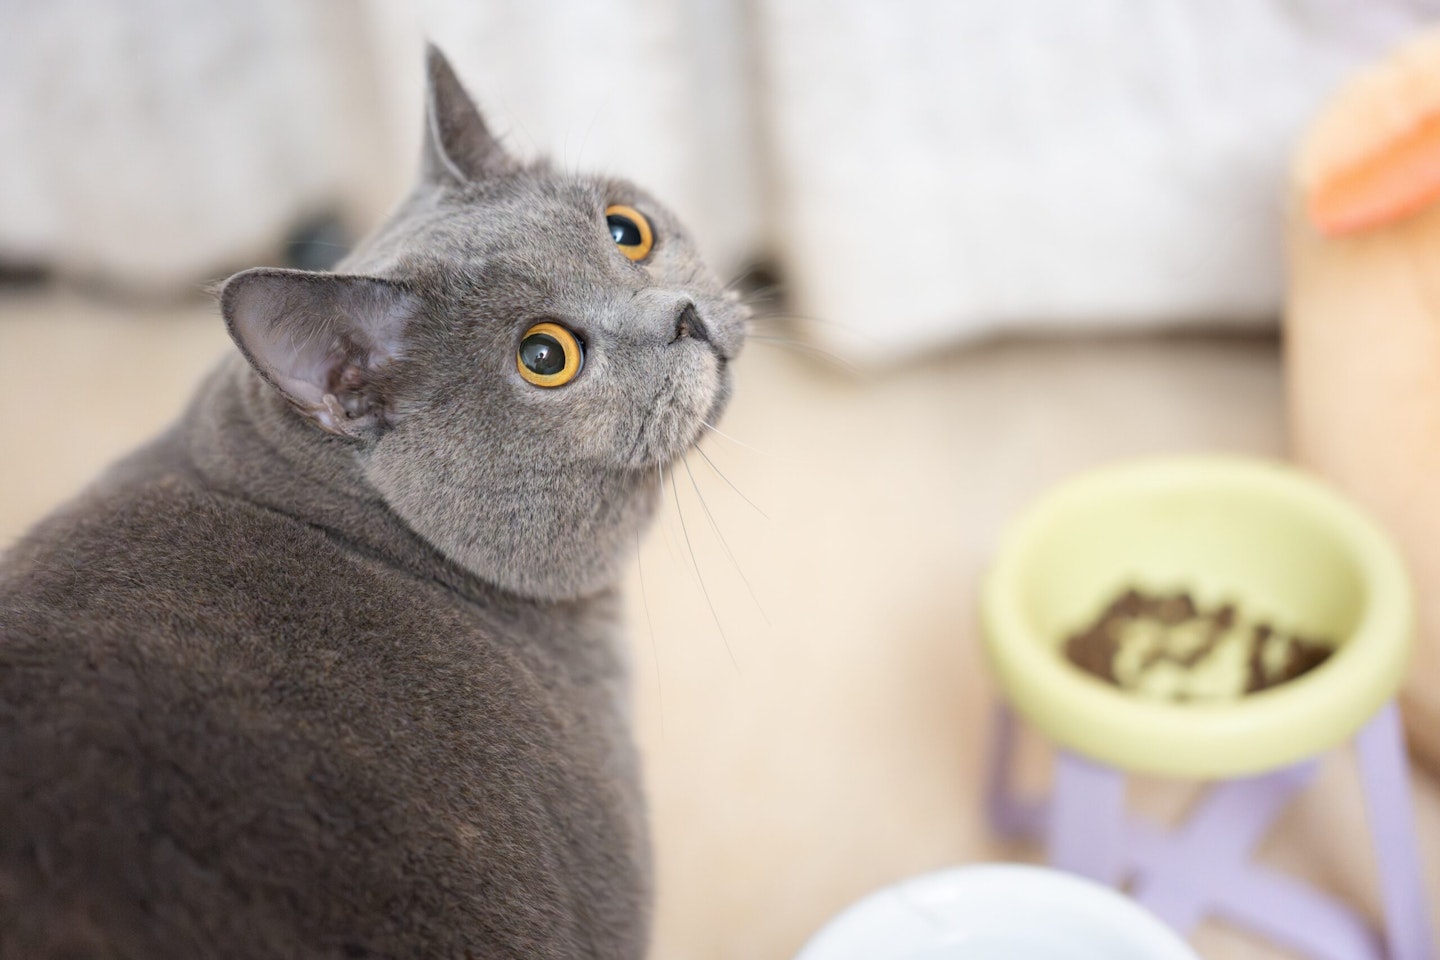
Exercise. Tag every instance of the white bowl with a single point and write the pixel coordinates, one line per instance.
(996, 912)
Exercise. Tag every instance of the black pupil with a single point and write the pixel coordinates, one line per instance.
(623, 230)
(542, 354)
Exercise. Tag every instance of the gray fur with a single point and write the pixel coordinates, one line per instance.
(332, 668)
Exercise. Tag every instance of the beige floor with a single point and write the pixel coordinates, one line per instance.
(801, 756)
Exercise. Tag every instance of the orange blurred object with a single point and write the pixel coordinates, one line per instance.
(1400, 179)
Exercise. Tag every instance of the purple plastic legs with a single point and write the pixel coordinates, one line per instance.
(1203, 869)
(1180, 875)
(1011, 815)
(1380, 748)
(1086, 826)
(1295, 916)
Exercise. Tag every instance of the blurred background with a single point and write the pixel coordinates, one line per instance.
(999, 243)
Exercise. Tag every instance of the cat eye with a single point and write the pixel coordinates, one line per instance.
(630, 231)
(549, 355)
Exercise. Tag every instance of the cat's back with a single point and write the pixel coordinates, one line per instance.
(227, 732)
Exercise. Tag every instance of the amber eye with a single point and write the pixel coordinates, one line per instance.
(549, 355)
(630, 231)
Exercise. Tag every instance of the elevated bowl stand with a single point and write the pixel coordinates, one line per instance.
(1282, 546)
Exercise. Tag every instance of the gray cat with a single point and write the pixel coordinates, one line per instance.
(333, 667)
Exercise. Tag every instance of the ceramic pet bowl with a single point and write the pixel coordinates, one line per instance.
(996, 912)
(1279, 546)
(1281, 549)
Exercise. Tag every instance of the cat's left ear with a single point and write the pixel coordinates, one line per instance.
(327, 342)
(459, 148)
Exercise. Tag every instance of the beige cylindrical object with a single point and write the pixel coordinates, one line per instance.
(1362, 343)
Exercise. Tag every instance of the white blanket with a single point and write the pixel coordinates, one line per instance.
(922, 172)
(971, 168)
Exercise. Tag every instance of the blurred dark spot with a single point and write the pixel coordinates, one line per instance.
(22, 274)
(762, 286)
(317, 243)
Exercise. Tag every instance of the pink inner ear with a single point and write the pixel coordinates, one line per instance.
(382, 311)
(316, 336)
(311, 365)
(1399, 179)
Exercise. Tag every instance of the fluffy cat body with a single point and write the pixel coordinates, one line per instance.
(333, 668)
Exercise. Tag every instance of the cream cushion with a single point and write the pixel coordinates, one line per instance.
(1363, 347)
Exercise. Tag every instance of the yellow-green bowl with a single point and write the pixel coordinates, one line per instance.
(1281, 546)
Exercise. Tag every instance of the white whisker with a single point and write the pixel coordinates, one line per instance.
(724, 545)
(739, 443)
(807, 348)
(680, 512)
(701, 451)
(790, 318)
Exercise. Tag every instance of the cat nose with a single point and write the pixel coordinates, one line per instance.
(689, 324)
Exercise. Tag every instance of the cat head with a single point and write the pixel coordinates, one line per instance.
(511, 359)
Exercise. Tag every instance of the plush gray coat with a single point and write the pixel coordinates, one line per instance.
(333, 668)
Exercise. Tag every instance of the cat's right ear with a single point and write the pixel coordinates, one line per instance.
(327, 342)
(459, 148)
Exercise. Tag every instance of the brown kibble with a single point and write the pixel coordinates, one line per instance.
(1174, 609)
(1095, 648)
(1128, 605)
(1094, 651)
(1306, 655)
(1256, 679)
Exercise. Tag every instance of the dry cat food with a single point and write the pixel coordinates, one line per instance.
(1164, 647)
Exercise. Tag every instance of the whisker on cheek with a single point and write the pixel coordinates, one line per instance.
(724, 544)
(680, 512)
(654, 647)
(700, 450)
(739, 443)
(797, 346)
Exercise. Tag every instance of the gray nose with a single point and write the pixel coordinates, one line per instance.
(689, 324)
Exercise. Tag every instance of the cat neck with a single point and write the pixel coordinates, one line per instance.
(244, 440)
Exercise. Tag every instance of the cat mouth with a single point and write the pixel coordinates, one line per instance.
(677, 417)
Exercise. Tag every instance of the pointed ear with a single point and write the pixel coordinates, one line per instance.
(325, 341)
(458, 146)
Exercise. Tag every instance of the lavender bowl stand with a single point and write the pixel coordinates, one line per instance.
(1201, 869)
(1288, 550)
